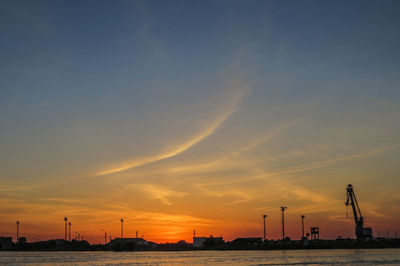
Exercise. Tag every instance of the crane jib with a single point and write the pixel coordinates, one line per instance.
(361, 231)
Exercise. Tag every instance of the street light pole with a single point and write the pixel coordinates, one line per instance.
(17, 230)
(283, 222)
(265, 233)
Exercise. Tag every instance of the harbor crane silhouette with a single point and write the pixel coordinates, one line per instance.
(361, 231)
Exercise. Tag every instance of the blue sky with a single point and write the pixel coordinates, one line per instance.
(177, 101)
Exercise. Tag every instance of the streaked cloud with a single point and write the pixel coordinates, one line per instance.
(237, 92)
(234, 159)
(162, 193)
(273, 133)
(338, 160)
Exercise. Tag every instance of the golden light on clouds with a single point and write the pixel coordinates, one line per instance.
(237, 91)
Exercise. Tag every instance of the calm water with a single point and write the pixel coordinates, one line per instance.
(267, 257)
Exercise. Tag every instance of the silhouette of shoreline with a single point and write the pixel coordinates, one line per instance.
(238, 244)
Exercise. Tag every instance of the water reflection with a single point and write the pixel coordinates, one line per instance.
(251, 257)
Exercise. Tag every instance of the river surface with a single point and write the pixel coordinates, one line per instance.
(251, 257)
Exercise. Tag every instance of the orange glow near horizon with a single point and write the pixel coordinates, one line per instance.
(40, 222)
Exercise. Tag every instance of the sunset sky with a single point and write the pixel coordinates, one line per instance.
(182, 115)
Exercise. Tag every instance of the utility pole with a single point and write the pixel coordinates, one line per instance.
(122, 227)
(265, 233)
(194, 233)
(105, 236)
(283, 222)
(69, 233)
(17, 230)
(65, 220)
(302, 226)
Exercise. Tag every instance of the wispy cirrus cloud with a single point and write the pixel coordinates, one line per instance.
(338, 160)
(162, 193)
(238, 90)
(234, 159)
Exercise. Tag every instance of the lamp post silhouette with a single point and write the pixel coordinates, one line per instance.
(283, 222)
(65, 220)
(265, 233)
(105, 236)
(302, 225)
(122, 227)
(69, 233)
(17, 230)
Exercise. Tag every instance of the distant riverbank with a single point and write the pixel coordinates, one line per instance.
(128, 245)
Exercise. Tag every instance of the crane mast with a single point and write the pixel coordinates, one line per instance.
(361, 231)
